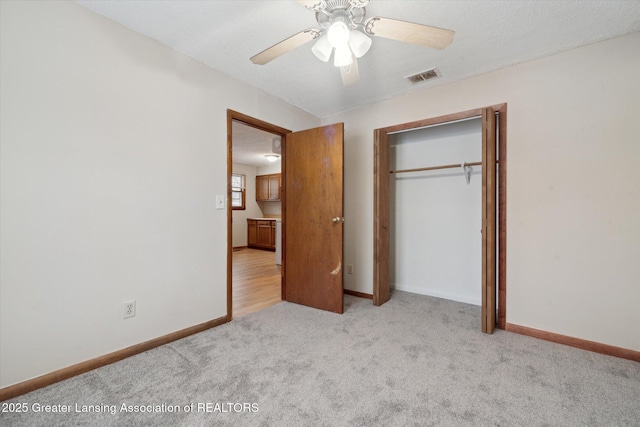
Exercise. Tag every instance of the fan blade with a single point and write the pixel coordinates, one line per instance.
(409, 32)
(315, 5)
(285, 46)
(350, 74)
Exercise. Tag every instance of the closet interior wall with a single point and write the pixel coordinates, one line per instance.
(436, 216)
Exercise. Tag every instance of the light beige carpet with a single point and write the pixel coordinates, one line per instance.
(414, 361)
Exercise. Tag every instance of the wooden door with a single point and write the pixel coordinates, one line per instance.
(382, 219)
(488, 220)
(313, 217)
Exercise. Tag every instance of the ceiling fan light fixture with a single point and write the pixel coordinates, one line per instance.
(358, 3)
(322, 49)
(272, 157)
(343, 56)
(359, 43)
(338, 34)
(343, 27)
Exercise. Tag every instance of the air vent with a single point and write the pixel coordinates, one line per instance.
(423, 76)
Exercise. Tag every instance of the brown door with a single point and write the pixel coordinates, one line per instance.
(381, 217)
(488, 220)
(313, 217)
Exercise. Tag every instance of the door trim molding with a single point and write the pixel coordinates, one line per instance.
(489, 220)
(381, 202)
(264, 126)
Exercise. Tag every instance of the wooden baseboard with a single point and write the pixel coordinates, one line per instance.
(596, 347)
(80, 368)
(261, 248)
(358, 294)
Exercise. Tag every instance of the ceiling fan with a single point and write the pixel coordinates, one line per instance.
(343, 28)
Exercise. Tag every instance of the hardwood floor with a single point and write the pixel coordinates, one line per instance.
(256, 281)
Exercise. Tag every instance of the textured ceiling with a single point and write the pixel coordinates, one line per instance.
(488, 35)
(250, 145)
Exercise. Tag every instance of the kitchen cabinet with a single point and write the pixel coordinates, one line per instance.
(252, 230)
(268, 187)
(261, 233)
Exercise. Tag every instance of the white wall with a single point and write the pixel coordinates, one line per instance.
(436, 217)
(113, 148)
(271, 168)
(239, 232)
(573, 194)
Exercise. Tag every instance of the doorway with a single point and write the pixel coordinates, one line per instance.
(312, 214)
(493, 239)
(254, 280)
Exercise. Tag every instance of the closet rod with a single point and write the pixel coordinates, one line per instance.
(431, 168)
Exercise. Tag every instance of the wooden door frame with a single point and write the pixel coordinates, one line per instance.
(381, 202)
(267, 127)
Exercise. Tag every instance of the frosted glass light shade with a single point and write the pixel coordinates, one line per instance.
(359, 43)
(343, 57)
(338, 34)
(322, 49)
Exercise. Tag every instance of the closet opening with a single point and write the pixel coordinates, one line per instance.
(440, 210)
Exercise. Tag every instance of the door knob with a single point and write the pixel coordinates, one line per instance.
(336, 220)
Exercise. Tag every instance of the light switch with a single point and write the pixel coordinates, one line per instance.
(219, 202)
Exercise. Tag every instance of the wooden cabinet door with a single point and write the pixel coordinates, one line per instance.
(268, 187)
(264, 234)
(262, 188)
(274, 187)
(252, 227)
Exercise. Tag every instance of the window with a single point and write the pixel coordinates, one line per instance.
(238, 191)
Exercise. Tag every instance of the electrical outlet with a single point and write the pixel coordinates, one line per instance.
(349, 268)
(128, 309)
